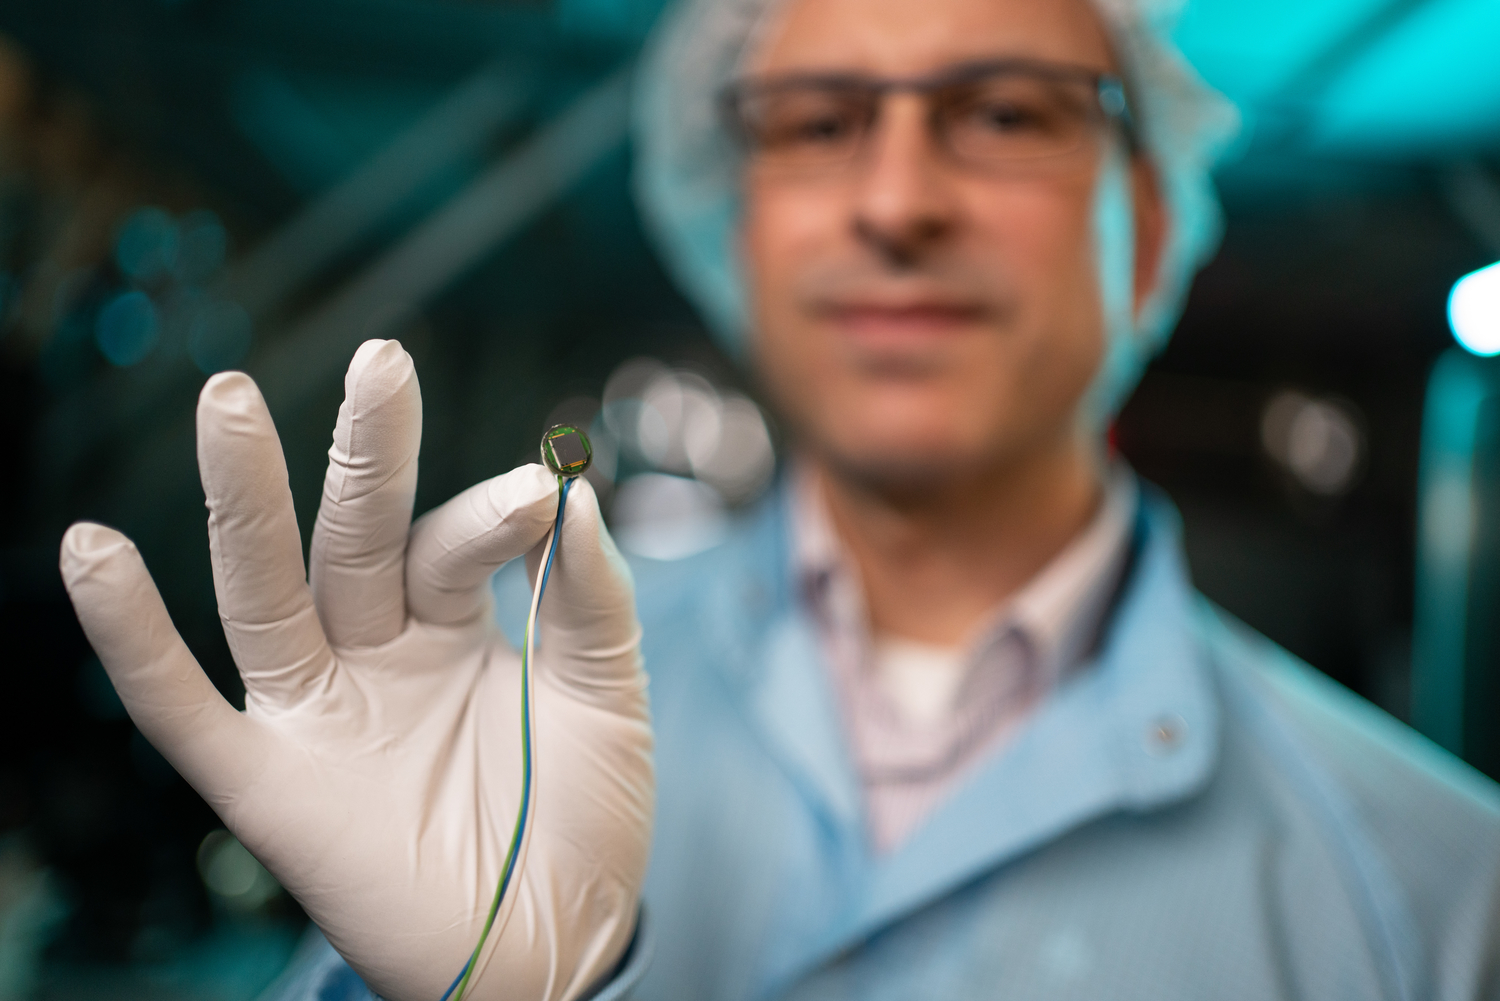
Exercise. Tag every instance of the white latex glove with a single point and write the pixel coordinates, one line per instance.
(376, 769)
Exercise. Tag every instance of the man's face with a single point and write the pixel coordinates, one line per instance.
(915, 315)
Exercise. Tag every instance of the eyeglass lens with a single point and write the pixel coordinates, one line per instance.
(1005, 118)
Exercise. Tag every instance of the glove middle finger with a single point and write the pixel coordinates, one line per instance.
(358, 552)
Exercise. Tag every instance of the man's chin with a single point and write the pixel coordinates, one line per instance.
(898, 467)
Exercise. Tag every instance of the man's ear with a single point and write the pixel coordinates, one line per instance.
(1150, 229)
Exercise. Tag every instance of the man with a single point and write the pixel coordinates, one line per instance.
(944, 718)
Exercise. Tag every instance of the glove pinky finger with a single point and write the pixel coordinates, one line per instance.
(166, 693)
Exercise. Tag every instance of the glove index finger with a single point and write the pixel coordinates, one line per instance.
(455, 548)
(166, 693)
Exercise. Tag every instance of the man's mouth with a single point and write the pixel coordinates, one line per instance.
(898, 321)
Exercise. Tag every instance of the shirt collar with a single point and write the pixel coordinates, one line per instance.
(1061, 609)
(1058, 612)
(816, 552)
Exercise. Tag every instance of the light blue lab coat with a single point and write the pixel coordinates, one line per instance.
(1194, 815)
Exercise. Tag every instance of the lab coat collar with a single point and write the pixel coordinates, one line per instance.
(1135, 729)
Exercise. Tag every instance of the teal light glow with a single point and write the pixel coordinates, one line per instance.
(1457, 393)
(1430, 84)
(1393, 78)
(1251, 51)
(1474, 311)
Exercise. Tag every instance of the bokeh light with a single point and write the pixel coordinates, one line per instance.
(147, 244)
(1474, 311)
(202, 245)
(232, 875)
(665, 517)
(1318, 441)
(127, 328)
(684, 451)
(674, 454)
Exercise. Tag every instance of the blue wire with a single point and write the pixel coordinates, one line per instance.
(455, 981)
(562, 500)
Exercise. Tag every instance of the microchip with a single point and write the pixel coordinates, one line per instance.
(566, 450)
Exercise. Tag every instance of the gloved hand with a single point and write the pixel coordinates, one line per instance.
(376, 769)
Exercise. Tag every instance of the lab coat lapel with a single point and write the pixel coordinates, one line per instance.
(794, 707)
(774, 661)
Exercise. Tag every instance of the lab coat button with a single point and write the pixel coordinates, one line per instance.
(1166, 734)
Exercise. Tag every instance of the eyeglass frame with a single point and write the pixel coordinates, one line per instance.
(1109, 90)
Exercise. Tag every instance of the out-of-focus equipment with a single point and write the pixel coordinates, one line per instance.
(376, 771)
(1456, 641)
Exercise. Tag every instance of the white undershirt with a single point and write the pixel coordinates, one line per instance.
(918, 679)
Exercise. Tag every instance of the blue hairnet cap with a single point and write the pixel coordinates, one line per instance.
(687, 165)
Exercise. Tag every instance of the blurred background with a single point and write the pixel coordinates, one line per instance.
(193, 185)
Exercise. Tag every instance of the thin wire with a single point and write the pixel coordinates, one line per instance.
(461, 982)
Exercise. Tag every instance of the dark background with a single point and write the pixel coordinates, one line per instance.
(1332, 281)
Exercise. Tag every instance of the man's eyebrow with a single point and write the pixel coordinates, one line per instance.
(954, 73)
(792, 78)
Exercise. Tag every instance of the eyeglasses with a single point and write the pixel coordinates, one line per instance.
(1012, 115)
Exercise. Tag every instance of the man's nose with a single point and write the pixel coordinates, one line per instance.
(904, 203)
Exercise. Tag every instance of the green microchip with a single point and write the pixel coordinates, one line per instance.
(566, 450)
